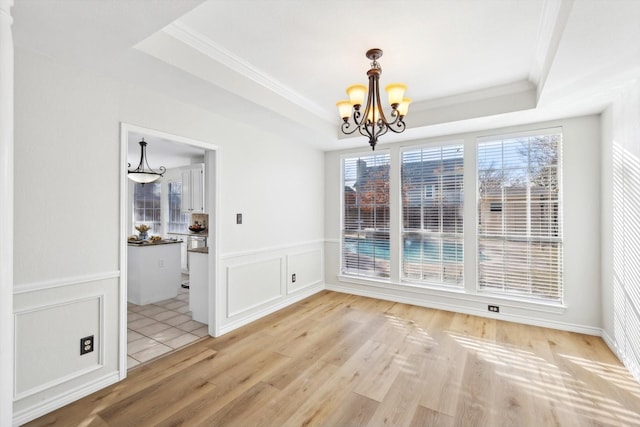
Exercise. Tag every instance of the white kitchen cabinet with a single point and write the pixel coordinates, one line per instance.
(199, 285)
(193, 189)
(153, 272)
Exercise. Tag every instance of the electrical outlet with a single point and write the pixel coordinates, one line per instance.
(293, 278)
(494, 308)
(86, 345)
(161, 263)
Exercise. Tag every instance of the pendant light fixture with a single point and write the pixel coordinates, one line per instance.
(372, 122)
(142, 174)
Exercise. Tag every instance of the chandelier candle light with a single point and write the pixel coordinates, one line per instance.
(142, 174)
(372, 122)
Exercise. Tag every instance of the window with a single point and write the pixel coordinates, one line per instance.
(146, 206)
(365, 220)
(520, 243)
(432, 235)
(178, 221)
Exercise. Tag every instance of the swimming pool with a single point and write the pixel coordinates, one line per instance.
(414, 249)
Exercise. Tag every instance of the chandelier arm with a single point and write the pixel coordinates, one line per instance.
(365, 115)
(143, 161)
(346, 125)
(377, 101)
(140, 167)
(150, 169)
(399, 124)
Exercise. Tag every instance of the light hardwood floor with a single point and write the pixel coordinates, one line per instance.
(343, 360)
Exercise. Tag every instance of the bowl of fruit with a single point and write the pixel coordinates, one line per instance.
(197, 228)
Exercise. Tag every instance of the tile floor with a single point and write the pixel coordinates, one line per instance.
(157, 329)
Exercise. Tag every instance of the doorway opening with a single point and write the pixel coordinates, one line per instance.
(168, 246)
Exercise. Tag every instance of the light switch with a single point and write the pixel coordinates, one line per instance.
(239, 218)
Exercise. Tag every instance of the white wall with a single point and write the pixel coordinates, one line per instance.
(620, 227)
(67, 204)
(581, 151)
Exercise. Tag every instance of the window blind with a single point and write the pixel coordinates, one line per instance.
(365, 218)
(146, 206)
(519, 216)
(178, 221)
(432, 213)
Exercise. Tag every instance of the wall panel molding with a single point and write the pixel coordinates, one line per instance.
(49, 320)
(244, 293)
(265, 311)
(62, 308)
(270, 249)
(64, 281)
(257, 283)
(308, 266)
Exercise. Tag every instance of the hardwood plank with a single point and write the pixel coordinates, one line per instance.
(244, 408)
(229, 386)
(282, 410)
(425, 417)
(355, 410)
(399, 403)
(337, 359)
(376, 366)
(169, 396)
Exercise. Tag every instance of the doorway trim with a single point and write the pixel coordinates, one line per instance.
(212, 196)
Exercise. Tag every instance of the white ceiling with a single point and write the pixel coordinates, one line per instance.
(282, 64)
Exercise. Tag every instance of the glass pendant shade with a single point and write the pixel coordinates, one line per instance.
(356, 94)
(373, 118)
(143, 177)
(395, 92)
(344, 107)
(403, 107)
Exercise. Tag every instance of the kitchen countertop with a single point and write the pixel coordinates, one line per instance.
(150, 243)
(204, 250)
(201, 234)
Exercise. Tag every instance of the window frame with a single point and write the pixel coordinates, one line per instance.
(519, 296)
(343, 270)
(424, 231)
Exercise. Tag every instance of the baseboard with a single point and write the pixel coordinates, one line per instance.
(613, 346)
(59, 401)
(371, 293)
(282, 303)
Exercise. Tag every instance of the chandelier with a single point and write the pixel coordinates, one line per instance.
(141, 174)
(372, 122)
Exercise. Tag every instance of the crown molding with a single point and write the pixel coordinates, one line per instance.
(518, 87)
(553, 22)
(208, 47)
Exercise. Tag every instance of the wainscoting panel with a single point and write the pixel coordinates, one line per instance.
(64, 361)
(49, 321)
(307, 267)
(257, 283)
(251, 285)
